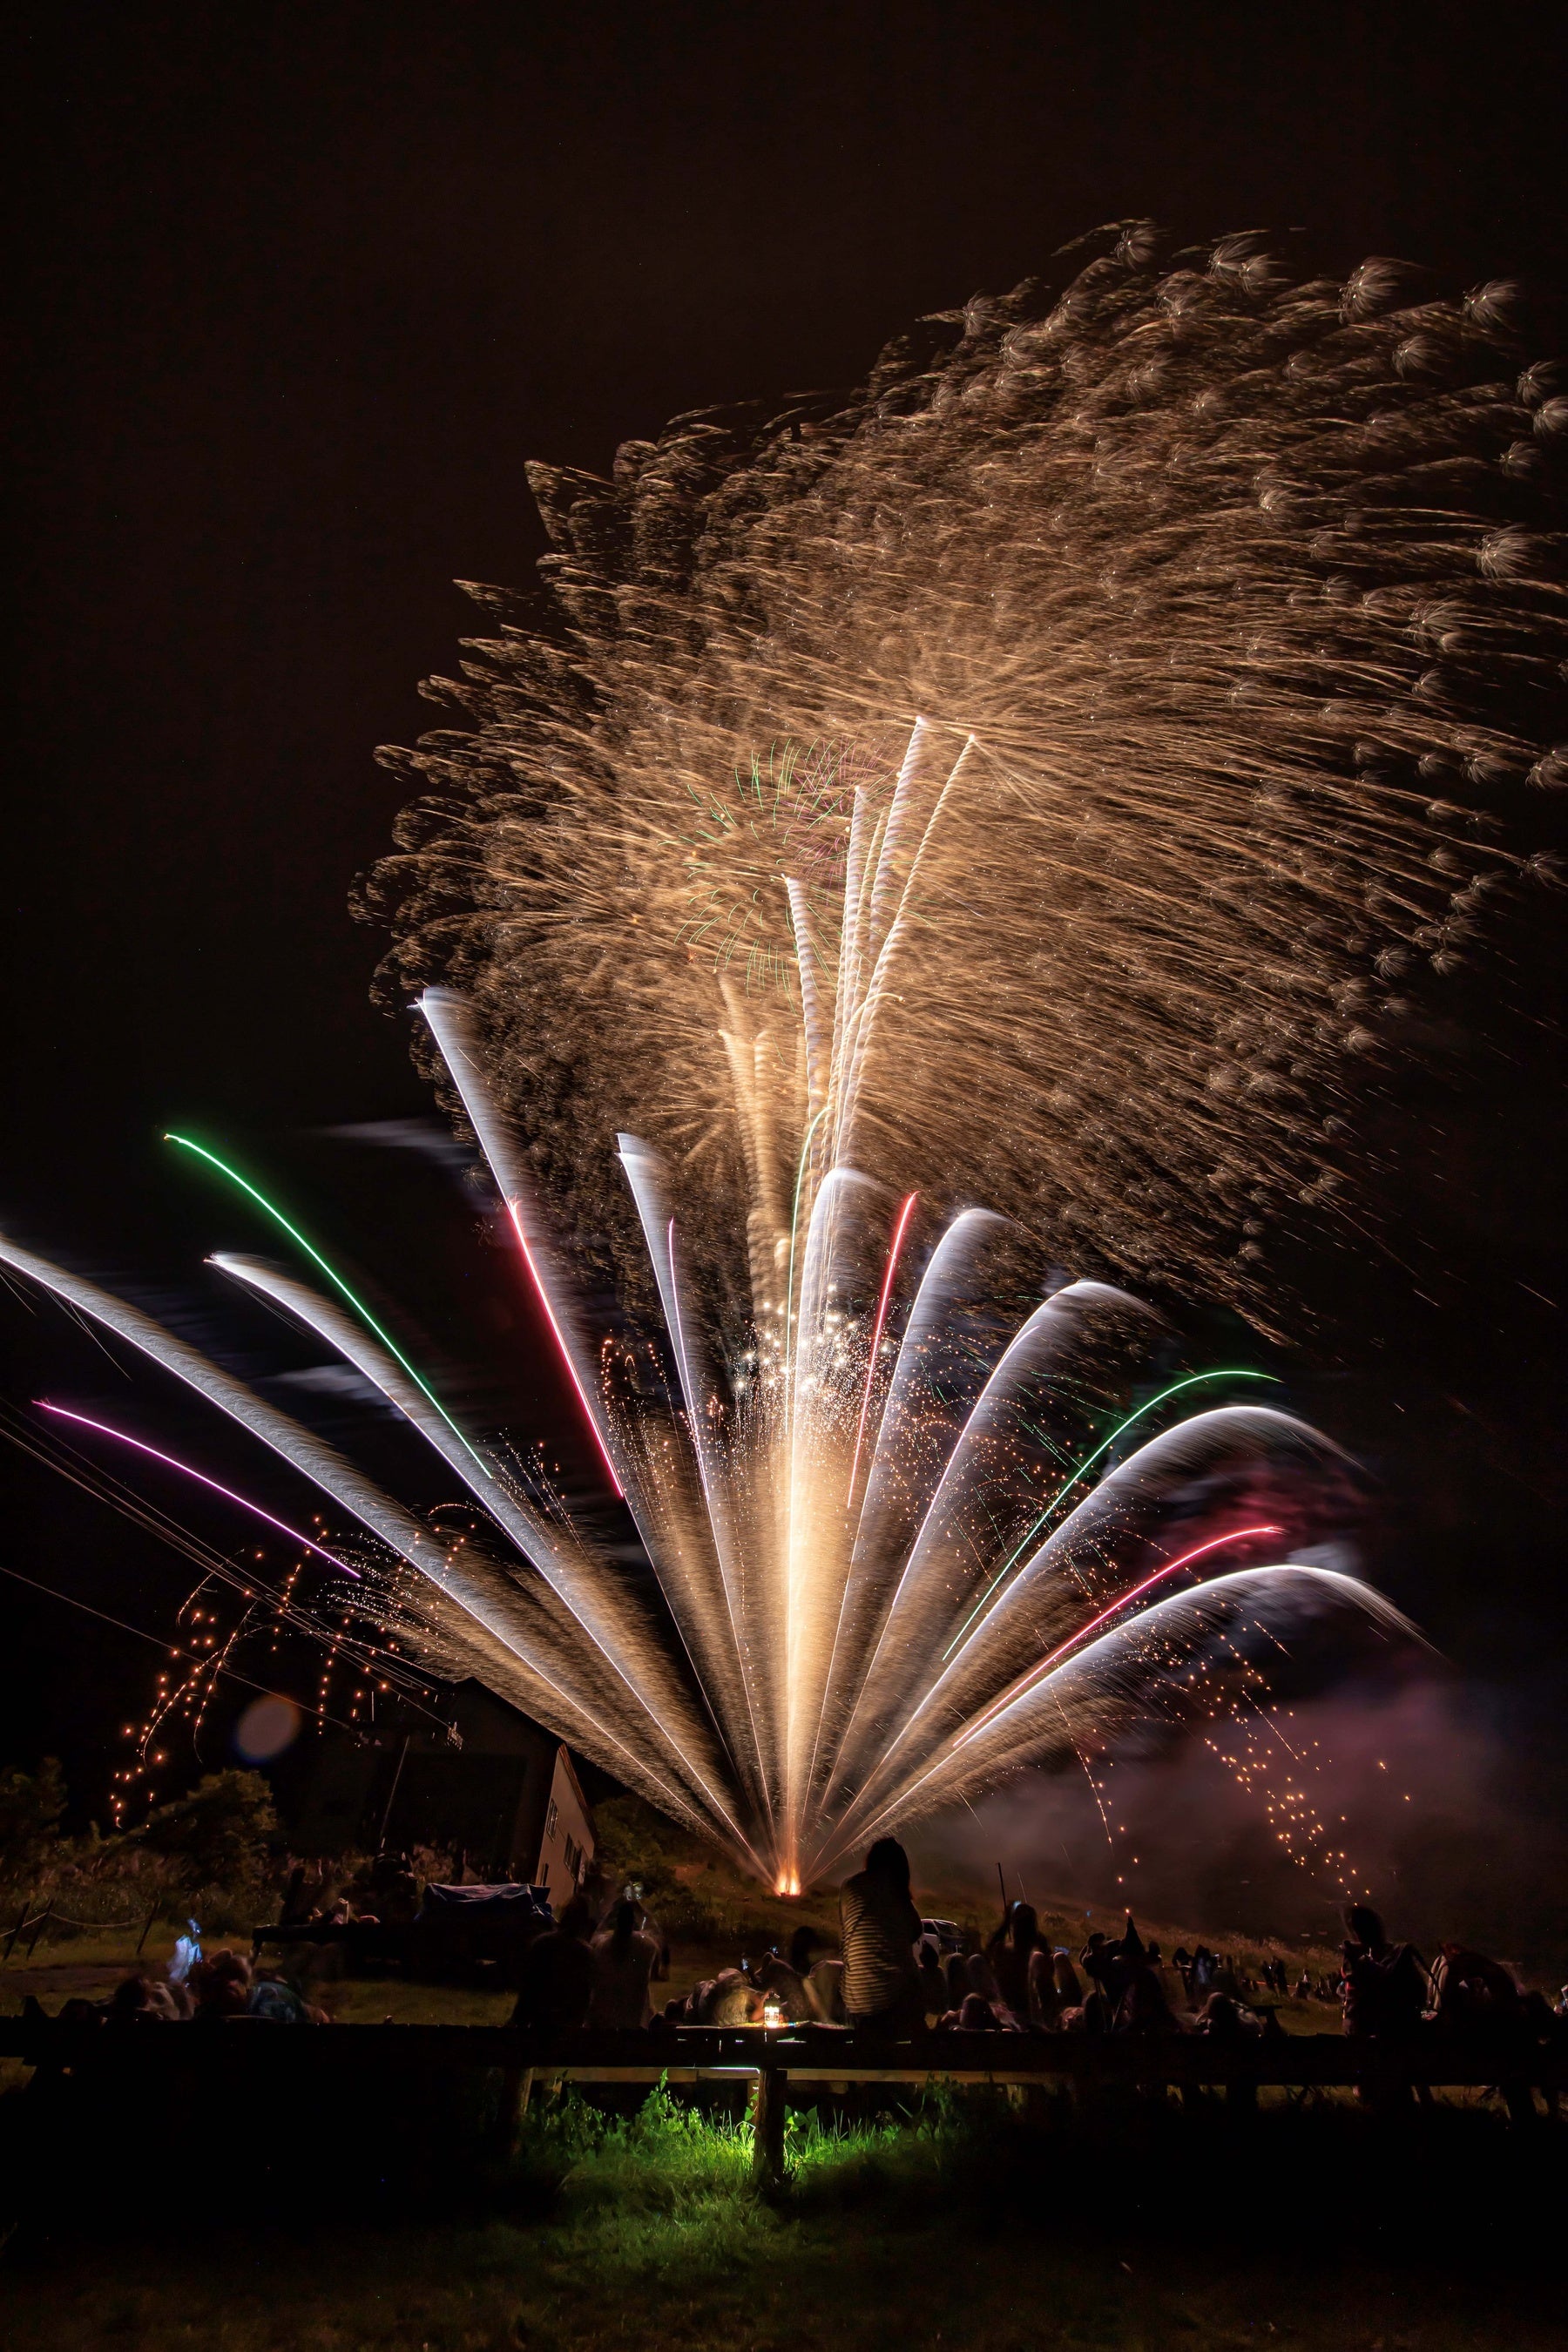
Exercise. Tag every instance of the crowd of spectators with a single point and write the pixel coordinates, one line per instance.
(899, 1974)
(216, 1990)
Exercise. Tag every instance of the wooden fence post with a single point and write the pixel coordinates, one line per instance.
(21, 1922)
(516, 2088)
(768, 2127)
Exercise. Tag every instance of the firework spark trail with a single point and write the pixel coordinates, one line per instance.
(1092, 1687)
(932, 1391)
(1083, 1562)
(1272, 1452)
(374, 1603)
(1151, 666)
(988, 1463)
(876, 1347)
(484, 1623)
(1026, 1681)
(449, 1024)
(685, 1577)
(720, 1630)
(1079, 1472)
(315, 1254)
(1197, 563)
(583, 1587)
(171, 1461)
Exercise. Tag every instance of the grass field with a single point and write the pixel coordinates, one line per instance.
(964, 2229)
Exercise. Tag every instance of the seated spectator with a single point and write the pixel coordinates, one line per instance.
(974, 2014)
(1144, 2007)
(1009, 1951)
(555, 1989)
(826, 1987)
(142, 2000)
(1064, 1976)
(803, 1998)
(1045, 2002)
(1223, 2018)
(624, 1957)
(1475, 1995)
(220, 1986)
(730, 1999)
(395, 1887)
(1385, 1984)
(276, 2003)
(933, 1976)
(296, 1903)
(1096, 2013)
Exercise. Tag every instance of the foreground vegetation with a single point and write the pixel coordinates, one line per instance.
(962, 2224)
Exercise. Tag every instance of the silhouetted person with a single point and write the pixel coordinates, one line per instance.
(801, 1945)
(220, 1984)
(1009, 1951)
(556, 1987)
(1384, 1984)
(1477, 1997)
(142, 2000)
(624, 1957)
(879, 1928)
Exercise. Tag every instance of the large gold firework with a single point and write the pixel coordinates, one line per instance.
(932, 838)
(1221, 603)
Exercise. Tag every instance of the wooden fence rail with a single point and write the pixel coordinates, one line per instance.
(243, 2052)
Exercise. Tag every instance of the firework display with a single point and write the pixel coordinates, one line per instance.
(945, 853)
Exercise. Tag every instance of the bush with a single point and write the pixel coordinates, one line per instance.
(218, 1835)
(31, 1804)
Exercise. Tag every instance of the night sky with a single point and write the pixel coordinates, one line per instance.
(299, 293)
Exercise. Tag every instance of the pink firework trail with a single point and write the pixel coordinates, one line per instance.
(169, 1461)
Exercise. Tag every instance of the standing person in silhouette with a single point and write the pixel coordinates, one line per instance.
(879, 1928)
(624, 1959)
(557, 1983)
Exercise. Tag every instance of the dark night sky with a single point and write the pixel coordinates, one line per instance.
(299, 291)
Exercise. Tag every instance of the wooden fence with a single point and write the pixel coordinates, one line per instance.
(807, 2057)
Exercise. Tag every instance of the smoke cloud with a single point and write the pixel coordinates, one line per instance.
(1420, 1785)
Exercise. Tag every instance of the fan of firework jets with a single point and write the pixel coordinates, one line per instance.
(1037, 778)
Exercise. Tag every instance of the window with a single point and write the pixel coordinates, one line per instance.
(552, 1818)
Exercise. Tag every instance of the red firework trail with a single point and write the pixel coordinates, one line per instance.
(897, 1243)
(544, 1296)
(1236, 1534)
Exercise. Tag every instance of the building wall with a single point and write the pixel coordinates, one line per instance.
(567, 1842)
